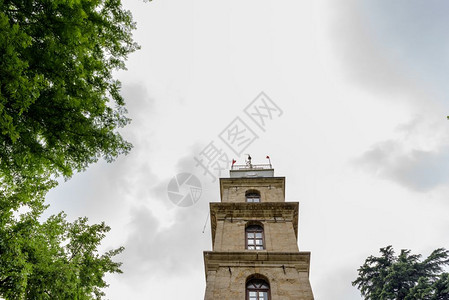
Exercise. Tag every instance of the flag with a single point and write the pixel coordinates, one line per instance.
(233, 161)
(268, 157)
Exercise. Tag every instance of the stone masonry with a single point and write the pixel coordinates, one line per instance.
(230, 265)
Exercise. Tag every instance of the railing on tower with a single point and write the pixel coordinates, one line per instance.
(251, 167)
(251, 170)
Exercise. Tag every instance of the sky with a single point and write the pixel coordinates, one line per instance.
(355, 96)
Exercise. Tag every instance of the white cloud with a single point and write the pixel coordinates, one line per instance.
(415, 169)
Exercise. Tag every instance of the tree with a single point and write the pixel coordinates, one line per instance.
(55, 259)
(59, 103)
(404, 277)
(60, 109)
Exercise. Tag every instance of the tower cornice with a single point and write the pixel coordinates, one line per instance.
(298, 260)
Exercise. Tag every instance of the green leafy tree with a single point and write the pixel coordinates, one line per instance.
(54, 259)
(60, 109)
(59, 103)
(404, 277)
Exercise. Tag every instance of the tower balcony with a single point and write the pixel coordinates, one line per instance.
(251, 170)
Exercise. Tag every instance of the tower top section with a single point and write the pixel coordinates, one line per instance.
(251, 170)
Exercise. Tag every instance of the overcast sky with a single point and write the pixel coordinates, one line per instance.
(358, 92)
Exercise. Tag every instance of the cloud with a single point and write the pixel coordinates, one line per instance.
(412, 168)
(104, 190)
(172, 245)
(340, 279)
(152, 250)
(373, 47)
(417, 157)
(364, 59)
(139, 103)
(367, 58)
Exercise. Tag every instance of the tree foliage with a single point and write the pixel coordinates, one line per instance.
(60, 109)
(404, 277)
(55, 259)
(59, 103)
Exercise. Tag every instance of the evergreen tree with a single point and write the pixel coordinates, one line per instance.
(404, 277)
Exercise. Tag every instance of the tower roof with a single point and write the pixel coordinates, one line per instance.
(250, 170)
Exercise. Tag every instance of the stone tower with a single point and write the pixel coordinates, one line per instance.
(255, 252)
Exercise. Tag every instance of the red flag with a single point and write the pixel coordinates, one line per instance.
(268, 157)
(233, 161)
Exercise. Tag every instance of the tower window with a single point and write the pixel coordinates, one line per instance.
(257, 289)
(254, 237)
(252, 196)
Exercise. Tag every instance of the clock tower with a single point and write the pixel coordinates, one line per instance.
(255, 252)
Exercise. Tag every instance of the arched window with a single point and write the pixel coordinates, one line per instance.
(254, 237)
(252, 196)
(257, 289)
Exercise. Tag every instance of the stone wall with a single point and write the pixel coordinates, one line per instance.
(271, 189)
(286, 283)
(278, 235)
